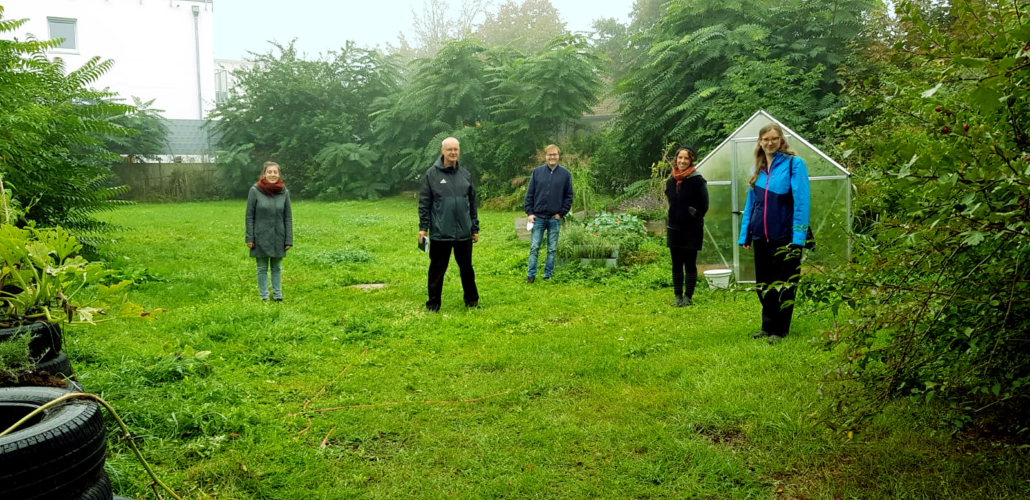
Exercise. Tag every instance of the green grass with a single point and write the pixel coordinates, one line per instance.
(587, 386)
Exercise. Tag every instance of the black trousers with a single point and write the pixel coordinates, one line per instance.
(439, 259)
(684, 271)
(777, 271)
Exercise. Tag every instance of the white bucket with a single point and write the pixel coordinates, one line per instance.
(718, 278)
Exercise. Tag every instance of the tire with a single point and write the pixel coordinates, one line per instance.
(58, 367)
(101, 489)
(47, 340)
(58, 455)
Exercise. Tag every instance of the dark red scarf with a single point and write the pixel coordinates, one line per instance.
(679, 175)
(271, 189)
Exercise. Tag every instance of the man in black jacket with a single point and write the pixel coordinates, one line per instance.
(548, 200)
(447, 216)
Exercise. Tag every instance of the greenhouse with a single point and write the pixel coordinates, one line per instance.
(728, 168)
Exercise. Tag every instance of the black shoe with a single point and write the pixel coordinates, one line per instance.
(774, 339)
(280, 299)
(761, 334)
(546, 278)
(531, 279)
(432, 309)
(474, 305)
(687, 301)
(678, 302)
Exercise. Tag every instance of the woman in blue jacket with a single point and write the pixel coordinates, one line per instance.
(775, 223)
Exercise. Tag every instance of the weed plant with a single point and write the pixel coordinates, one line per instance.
(584, 386)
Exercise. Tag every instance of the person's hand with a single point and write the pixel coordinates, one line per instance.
(421, 236)
(289, 247)
(532, 218)
(475, 237)
(250, 244)
(557, 216)
(746, 247)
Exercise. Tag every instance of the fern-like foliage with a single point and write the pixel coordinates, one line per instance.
(53, 157)
(708, 64)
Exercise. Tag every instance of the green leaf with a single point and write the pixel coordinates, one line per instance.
(973, 238)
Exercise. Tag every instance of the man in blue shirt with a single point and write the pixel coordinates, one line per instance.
(548, 200)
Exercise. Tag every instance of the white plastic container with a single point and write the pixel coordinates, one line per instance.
(718, 278)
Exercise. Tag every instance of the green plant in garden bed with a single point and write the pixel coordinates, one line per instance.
(42, 278)
(608, 223)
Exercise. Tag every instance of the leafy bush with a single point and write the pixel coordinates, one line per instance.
(645, 208)
(941, 284)
(613, 224)
(52, 147)
(323, 107)
(707, 64)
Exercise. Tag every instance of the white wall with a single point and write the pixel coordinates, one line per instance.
(152, 43)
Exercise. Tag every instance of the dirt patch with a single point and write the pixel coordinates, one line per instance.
(33, 379)
(368, 286)
(733, 438)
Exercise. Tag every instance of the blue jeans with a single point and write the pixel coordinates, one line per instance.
(277, 276)
(553, 227)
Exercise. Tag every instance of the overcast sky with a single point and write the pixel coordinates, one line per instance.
(320, 25)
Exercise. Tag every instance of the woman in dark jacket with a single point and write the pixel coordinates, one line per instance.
(687, 193)
(269, 228)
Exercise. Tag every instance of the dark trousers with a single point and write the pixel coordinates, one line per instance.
(439, 258)
(777, 271)
(684, 266)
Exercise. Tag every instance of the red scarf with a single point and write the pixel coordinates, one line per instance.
(679, 175)
(269, 188)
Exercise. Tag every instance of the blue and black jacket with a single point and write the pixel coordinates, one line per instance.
(777, 207)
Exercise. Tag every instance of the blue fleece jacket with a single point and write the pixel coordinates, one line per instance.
(777, 207)
(549, 192)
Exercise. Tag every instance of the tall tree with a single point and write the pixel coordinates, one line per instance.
(150, 137)
(527, 26)
(701, 54)
(437, 24)
(52, 130)
(288, 109)
(443, 94)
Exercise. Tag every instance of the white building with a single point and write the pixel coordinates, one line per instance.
(224, 79)
(162, 49)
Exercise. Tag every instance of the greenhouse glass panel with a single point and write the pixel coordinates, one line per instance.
(728, 171)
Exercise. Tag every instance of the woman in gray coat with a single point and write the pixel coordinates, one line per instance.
(269, 228)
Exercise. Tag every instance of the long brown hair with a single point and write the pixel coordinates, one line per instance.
(760, 159)
(264, 168)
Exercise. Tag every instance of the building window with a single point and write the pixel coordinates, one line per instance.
(63, 28)
(221, 86)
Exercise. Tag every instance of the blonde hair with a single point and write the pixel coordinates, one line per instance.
(550, 147)
(760, 160)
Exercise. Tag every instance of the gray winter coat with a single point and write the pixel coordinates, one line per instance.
(269, 223)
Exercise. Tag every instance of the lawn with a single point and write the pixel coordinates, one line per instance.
(586, 386)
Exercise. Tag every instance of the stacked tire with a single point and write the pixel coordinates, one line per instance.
(46, 346)
(59, 454)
